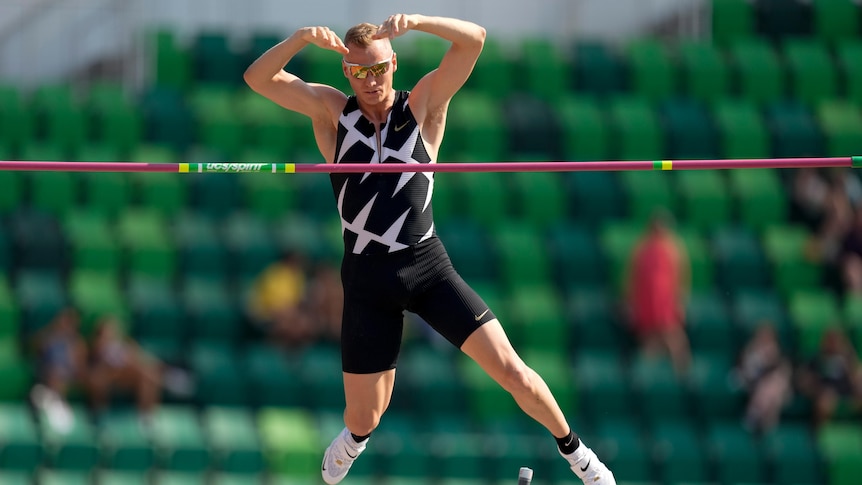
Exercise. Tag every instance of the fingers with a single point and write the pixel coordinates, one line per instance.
(393, 26)
(325, 38)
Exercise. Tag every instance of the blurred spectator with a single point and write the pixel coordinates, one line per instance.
(851, 255)
(326, 301)
(116, 362)
(765, 374)
(276, 305)
(832, 379)
(656, 291)
(60, 353)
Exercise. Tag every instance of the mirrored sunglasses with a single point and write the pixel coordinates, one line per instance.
(361, 71)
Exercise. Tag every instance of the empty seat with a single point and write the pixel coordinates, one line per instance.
(714, 395)
(841, 446)
(618, 241)
(585, 133)
(539, 197)
(813, 75)
(651, 72)
(290, 438)
(538, 320)
(646, 193)
(40, 295)
(636, 129)
(849, 60)
(249, 244)
(487, 401)
(73, 449)
(842, 128)
(214, 60)
(732, 20)
(494, 72)
(22, 448)
(751, 309)
(812, 312)
(168, 119)
(219, 380)
(759, 198)
(522, 259)
(737, 456)
(594, 197)
(757, 70)
(791, 451)
(116, 122)
(532, 128)
(593, 319)
(54, 192)
(37, 241)
(97, 295)
(146, 244)
(155, 311)
(689, 130)
(173, 64)
(793, 130)
(430, 383)
(741, 129)
(678, 452)
(708, 323)
(700, 261)
(739, 259)
(178, 439)
(546, 69)
(201, 250)
(786, 248)
(476, 130)
(623, 448)
(597, 68)
(93, 244)
(272, 379)
(211, 310)
(705, 200)
(783, 19)
(576, 259)
(123, 443)
(835, 20)
(704, 72)
(658, 389)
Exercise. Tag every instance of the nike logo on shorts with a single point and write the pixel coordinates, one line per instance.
(479, 317)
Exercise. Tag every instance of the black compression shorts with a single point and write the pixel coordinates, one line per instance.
(379, 287)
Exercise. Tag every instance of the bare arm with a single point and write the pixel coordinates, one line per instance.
(267, 76)
(434, 91)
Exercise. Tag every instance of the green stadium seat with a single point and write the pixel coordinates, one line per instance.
(467, 244)
(739, 259)
(168, 119)
(266, 125)
(320, 375)
(475, 130)
(679, 452)
(17, 373)
(219, 380)
(16, 120)
(713, 395)
(271, 378)
(218, 127)
(522, 260)
(812, 312)
(10, 319)
(737, 456)
(155, 310)
(597, 68)
(22, 448)
(760, 198)
(585, 133)
(215, 194)
(11, 188)
(538, 319)
(97, 295)
(76, 449)
(200, 248)
(704, 198)
(757, 70)
(92, 242)
(813, 76)
(306, 234)
(494, 73)
(59, 117)
(111, 477)
(249, 243)
(60, 477)
(172, 63)
(751, 309)
(842, 128)
(116, 121)
(781, 20)
(147, 246)
(732, 20)
(290, 440)
(835, 20)
(267, 196)
(427, 380)
(659, 391)
(532, 127)
(540, 197)
(179, 478)
(106, 193)
(234, 441)
(556, 371)
(701, 271)
(40, 296)
(623, 448)
(646, 192)
(689, 130)
(211, 310)
(594, 197)
(651, 70)
(703, 71)
(791, 450)
(793, 130)
(576, 259)
(841, 446)
(162, 192)
(455, 448)
(513, 445)
(178, 439)
(395, 452)
(593, 319)
(15, 477)
(54, 192)
(214, 60)
(324, 66)
(786, 249)
(545, 72)
(619, 239)
(124, 444)
(849, 60)
(637, 129)
(237, 479)
(741, 129)
(709, 324)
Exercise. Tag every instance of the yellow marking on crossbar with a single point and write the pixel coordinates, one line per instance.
(184, 168)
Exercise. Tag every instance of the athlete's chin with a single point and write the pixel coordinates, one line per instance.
(374, 96)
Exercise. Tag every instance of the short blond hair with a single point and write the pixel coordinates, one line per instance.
(360, 34)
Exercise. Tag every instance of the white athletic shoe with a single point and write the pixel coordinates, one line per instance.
(339, 456)
(588, 467)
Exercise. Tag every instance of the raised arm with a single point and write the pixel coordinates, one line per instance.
(437, 87)
(267, 76)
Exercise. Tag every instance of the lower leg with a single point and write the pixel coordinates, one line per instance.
(367, 397)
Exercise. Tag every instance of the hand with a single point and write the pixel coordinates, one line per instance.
(395, 26)
(324, 38)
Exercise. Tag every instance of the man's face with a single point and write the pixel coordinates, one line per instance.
(369, 70)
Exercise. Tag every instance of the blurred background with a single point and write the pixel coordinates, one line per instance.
(182, 329)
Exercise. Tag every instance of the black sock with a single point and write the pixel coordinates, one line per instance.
(569, 443)
(359, 439)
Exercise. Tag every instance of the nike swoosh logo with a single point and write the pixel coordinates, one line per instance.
(399, 128)
(479, 317)
(584, 468)
(352, 457)
(572, 438)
